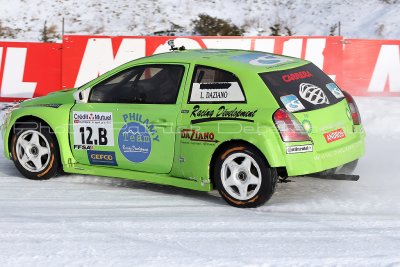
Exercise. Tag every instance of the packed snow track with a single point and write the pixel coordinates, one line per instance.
(77, 220)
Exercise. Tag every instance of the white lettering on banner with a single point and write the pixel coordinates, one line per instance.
(13, 75)
(228, 43)
(314, 51)
(186, 42)
(293, 47)
(98, 57)
(264, 45)
(387, 67)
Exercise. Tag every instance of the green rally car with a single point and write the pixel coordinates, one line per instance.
(238, 121)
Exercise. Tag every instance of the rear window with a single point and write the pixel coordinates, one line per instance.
(302, 89)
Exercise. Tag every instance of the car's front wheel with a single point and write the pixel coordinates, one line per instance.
(34, 151)
(243, 177)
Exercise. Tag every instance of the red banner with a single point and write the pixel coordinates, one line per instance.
(81, 60)
(371, 67)
(28, 70)
(362, 67)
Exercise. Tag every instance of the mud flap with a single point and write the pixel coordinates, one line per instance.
(341, 177)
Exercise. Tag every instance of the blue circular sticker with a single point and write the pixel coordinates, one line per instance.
(134, 142)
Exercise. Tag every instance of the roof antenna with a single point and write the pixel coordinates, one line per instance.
(171, 43)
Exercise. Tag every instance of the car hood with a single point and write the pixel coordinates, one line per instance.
(56, 98)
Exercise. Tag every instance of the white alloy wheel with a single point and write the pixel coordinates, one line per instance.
(33, 151)
(241, 176)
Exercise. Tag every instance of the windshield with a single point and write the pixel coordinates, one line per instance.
(302, 89)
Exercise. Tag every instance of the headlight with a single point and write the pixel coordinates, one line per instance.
(5, 113)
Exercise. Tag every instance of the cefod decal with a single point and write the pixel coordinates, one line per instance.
(92, 129)
(136, 137)
(292, 103)
(197, 136)
(334, 135)
(299, 149)
(102, 158)
(335, 90)
(199, 115)
(217, 92)
(287, 78)
(261, 59)
(313, 94)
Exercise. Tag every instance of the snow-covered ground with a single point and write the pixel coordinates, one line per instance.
(90, 221)
(359, 19)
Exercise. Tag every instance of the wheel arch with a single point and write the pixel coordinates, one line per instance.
(224, 145)
(32, 118)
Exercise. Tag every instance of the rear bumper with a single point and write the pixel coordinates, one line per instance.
(317, 161)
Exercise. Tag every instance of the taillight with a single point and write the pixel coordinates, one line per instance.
(289, 127)
(355, 114)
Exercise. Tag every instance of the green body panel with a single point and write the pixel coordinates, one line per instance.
(190, 133)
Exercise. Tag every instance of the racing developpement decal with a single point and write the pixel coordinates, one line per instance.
(102, 158)
(92, 129)
(261, 59)
(217, 92)
(136, 137)
(199, 115)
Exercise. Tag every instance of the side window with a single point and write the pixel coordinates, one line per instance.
(212, 85)
(153, 84)
(116, 88)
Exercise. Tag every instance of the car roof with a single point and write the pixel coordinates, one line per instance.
(229, 59)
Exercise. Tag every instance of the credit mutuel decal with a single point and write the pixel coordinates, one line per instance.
(92, 129)
(217, 92)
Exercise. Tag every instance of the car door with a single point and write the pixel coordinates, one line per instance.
(129, 120)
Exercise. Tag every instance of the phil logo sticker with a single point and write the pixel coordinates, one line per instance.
(292, 103)
(102, 158)
(334, 135)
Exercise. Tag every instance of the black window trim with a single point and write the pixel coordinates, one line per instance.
(214, 102)
(141, 69)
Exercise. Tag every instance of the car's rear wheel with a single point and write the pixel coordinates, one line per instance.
(243, 178)
(34, 151)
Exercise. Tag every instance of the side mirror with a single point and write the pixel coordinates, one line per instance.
(82, 96)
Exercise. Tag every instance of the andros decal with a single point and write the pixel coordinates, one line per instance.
(196, 136)
(92, 129)
(102, 158)
(217, 92)
(136, 137)
(199, 115)
(334, 135)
